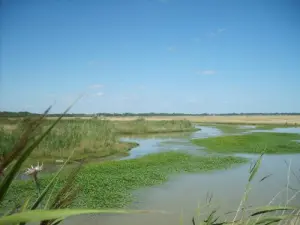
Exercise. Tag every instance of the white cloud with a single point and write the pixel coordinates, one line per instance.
(92, 62)
(216, 32)
(96, 86)
(125, 98)
(196, 39)
(163, 1)
(99, 94)
(51, 95)
(171, 49)
(28, 107)
(220, 30)
(67, 99)
(192, 100)
(98, 62)
(211, 34)
(207, 72)
(130, 97)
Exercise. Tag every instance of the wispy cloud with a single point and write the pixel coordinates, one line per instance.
(67, 99)
(125, 98)
(99, 94)
(171, 49)
(192, 100)
(51, 95)
(141, 87)
(95, 62)
(196, 39)
(216, 32)
(207, 72)
(98, 62)
(92, 62)
(95, 86)
(220, 30)
(131, 97)
(27, 107)
(163, 1)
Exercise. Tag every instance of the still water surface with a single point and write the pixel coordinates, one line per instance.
(182, 193)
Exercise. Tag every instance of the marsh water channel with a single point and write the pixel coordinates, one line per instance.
(181, 195)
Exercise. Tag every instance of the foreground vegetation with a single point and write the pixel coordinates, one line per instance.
(92, 139)
(256, 142)
(54, 209)
(47, 200)
(109, 184)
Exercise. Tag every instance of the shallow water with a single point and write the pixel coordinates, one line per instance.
(293, 130)
(182, 193)
(247, 126)
(167, 142)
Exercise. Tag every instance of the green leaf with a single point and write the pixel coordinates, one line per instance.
(270, 220)
(267, 209)
(255, 167)
(57, 221)
(50, 196)
(39, 215)
(26, 203)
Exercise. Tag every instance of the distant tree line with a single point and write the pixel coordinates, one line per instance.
(24, 114)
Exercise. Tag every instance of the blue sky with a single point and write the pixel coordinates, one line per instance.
(191, 56)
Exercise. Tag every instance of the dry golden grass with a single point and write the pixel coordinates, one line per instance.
(284, 119)
(223, 119)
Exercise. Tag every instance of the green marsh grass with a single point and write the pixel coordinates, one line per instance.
(273, 126)
(257, 142)
(238, 127)
(109, 184)
(143, 126)
(90, 138)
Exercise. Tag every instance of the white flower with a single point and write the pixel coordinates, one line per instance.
(34, 170)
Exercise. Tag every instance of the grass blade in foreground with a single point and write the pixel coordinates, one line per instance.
(16, 167)
(255, 168)
(272, 220)
(39, 215)
(253, 171)
(22, 142)
(268, 209)
(45, 191)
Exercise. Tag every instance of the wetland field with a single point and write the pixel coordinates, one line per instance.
(184, 168)
(234, 119)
